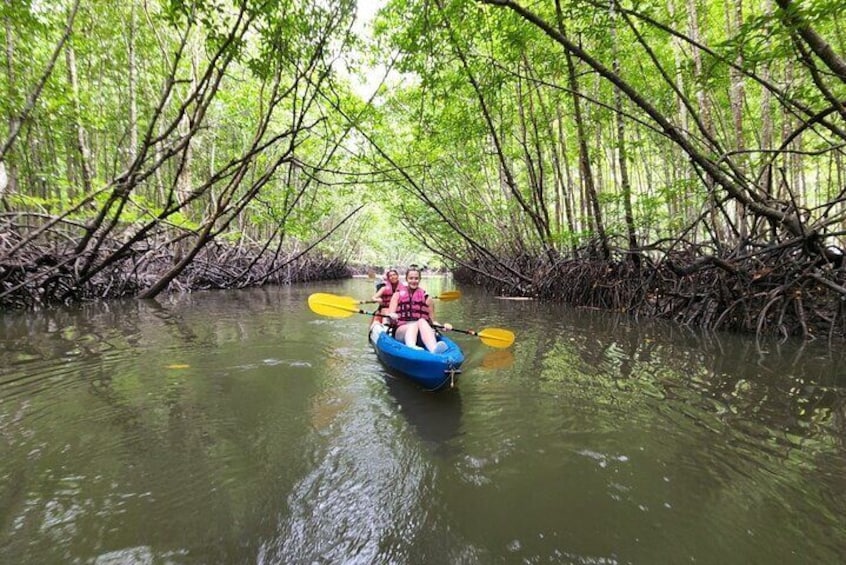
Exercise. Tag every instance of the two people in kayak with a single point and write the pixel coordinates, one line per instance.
(411, 310)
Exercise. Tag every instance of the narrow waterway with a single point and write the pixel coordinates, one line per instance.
(239, 427)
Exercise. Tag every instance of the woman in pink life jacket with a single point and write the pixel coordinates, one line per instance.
(386, 292)
(384, 280)
(414, 312)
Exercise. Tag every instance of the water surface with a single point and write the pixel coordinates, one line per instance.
(239, 427)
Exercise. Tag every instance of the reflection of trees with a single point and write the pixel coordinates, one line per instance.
(790, 390)
(734, 434)
(782, 394)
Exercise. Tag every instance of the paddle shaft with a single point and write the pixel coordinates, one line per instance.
(360, 311)
(447, 296)
(468, 332)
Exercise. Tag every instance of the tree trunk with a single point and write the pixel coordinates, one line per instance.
(81, 141)
(704, 111)
(591, 200)
(676, 202)
(622, 155)
(766, 175)
(133, 86)
(569, 188)
(734, 21)
(11, 171)
(584, 157)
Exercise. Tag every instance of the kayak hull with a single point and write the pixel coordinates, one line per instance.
(432, 371)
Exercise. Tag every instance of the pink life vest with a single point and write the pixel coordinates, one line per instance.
(412, 306)
(388, 293)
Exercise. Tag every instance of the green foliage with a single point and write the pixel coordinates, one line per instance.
(179, 220)
(477, 96)
(37, 203)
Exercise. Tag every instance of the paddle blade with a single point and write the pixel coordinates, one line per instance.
(332, 306)
(449, 295)
(496, 337)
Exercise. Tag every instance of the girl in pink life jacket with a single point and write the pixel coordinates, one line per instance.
(385, 293)
(414, 312)
(384, 280)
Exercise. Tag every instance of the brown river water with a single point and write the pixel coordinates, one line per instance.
(240, 427)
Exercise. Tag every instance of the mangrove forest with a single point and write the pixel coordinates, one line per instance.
(679, 159)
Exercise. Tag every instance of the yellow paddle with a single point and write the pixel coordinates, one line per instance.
(495, 337)
(446, 296)
(334, 306)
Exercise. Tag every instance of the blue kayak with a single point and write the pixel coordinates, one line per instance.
(432, 371)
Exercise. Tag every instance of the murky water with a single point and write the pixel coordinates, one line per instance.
(238, 427)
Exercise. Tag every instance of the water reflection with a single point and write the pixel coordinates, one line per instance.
(365, 490)
(790, 384)
(770, 388)
(436, 417)
(498, 359)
